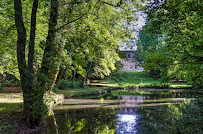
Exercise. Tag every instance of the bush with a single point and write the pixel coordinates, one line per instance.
(67, 84)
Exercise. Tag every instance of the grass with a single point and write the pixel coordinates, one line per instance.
(131, 78)
(6, 108)
(11, 104)
(139, 78)
(81, 92)
(11, 98)
(128, 80)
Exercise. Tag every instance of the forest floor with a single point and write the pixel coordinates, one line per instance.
(11, 111)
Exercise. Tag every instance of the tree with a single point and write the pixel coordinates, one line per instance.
(58, 26)
(26, 72)
(180, 23)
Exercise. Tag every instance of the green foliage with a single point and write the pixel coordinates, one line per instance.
(90, 120)
(75, 128)
(80, 37)
(92, 42)
(156, 64)
(187, 114)
(69, 84)
(7, 127)
(171, 41)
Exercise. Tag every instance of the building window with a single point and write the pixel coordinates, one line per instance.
(131, 66)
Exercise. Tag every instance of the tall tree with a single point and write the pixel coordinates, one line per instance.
(103, 22)
(26, 72)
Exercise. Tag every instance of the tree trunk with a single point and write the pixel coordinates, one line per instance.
(44, 72)
(37, 97)
(22, 66)
(32, 44)
(26, 73)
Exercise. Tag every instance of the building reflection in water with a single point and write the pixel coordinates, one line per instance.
(127, 117)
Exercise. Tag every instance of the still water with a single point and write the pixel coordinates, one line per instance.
(154, 114)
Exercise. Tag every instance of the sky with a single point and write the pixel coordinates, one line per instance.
(136, 26)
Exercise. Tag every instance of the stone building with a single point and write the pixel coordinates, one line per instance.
(129, 63)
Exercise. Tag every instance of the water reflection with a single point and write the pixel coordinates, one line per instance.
(127, 118)
(131, 100)
(127, 115)
(126, 124)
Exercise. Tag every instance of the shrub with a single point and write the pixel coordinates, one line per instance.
(67, 84)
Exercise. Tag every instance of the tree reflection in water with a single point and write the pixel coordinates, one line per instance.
(133, 117)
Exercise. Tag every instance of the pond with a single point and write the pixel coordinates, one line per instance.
(153, 114)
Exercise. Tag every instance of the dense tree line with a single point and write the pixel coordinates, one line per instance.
(170, 44)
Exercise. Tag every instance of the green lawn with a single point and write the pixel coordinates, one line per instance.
(138, 78)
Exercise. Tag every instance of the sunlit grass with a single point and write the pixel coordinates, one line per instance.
(6, 108)
(181, 86)
(11, 98)
(10, 102)
(139, 78)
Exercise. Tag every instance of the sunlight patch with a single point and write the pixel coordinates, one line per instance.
(128, 118)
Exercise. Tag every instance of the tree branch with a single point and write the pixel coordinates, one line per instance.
(70, 22)
(75, 2)
(32, 44)
(110, 4)
(117, 5)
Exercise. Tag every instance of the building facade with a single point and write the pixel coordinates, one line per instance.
(129, 63)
